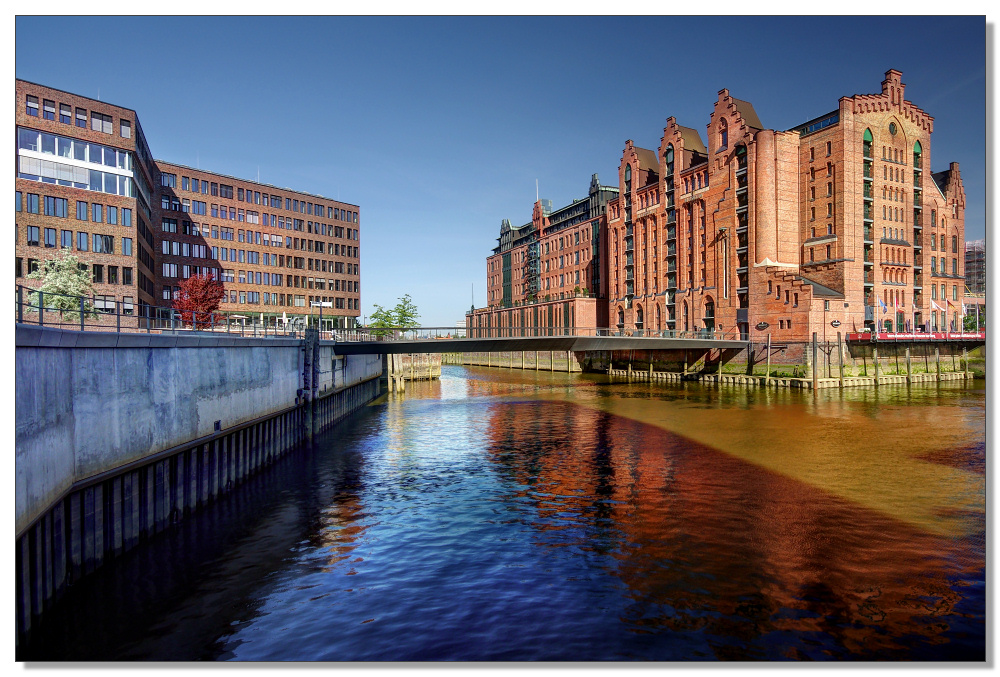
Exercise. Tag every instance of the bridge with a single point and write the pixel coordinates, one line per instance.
(354, 344)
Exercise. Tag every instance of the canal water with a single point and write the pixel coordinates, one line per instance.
(506, 515)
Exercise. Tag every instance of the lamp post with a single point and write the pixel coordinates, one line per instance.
(321, 304)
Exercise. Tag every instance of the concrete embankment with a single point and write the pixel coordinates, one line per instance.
(118, 436)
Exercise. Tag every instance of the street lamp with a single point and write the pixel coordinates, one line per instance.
(321, 304)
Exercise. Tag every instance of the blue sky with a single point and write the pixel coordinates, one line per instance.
(439, 127)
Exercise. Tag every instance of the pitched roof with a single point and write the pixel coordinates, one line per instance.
(749, 115)
(821, 290)
(692, 139)
(941, 180)
(647, 159)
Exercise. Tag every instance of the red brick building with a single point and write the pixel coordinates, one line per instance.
(830, 220)
(86, 182)
(838, 222)
(551, 272)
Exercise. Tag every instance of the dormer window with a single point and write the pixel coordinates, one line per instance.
(723, 134)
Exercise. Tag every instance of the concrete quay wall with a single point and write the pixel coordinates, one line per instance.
(117, 437)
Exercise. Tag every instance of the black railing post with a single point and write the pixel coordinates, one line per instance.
(82, 319)
(118, 316)
(41, 307)
(20, 304)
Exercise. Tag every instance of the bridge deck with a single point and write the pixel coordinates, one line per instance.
(571, 343)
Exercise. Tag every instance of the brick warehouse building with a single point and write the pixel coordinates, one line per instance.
(86, 181)
(837, 219)
(549, 272)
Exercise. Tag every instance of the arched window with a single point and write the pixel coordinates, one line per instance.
(638, 317)
(621, 318)
(916, 155)
(723, 133)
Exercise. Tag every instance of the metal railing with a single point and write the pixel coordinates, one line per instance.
(92, 313)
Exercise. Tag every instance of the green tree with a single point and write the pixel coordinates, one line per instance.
(404, 315)
(381, 318)
(969, 321)
(64, 281)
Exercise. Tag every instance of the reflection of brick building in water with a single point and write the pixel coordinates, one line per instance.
(840, 218)
(706, 541)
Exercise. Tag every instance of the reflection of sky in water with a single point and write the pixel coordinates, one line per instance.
(510, 515)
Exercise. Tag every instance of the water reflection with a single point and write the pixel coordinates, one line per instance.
(509, 515)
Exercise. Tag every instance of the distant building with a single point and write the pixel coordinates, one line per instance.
(550, 272)
(975, 266)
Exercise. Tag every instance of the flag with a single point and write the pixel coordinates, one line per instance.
(935, 305)
(881, 304)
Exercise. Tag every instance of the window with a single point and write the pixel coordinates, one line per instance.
(126, 216)
(98, 273)
(101, 123)
(169, 225)
(32, 106)
(81, 117)
(104, 244)
(723, 134)
(50, 237)
(97, 213)
(33, 235)
(126, 276)
(56, 206)
(828, 252)
(954, 266)
(65, 114)
(168, 180)
(83, 242)
(127, 246)
(126, 129)
(31, 205)
(66, 239)
(49, 110)
(113, 215)
(112, 274)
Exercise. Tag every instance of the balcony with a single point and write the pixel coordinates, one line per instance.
(869, 171)
(869, 277)
(869, 234)
(869, 191)
(869, 212)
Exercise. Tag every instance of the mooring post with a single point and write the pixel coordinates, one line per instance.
(909, 368)
(815, 365)
(875, 360)
(840, 351)
(767, 374)
(937, 360)
(552, 360)
(965, 360)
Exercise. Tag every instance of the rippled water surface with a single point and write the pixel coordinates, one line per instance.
(508, 515)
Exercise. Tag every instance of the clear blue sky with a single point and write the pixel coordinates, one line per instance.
(439, 127)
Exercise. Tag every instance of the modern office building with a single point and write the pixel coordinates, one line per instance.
(276, 250)
(86, 182)
(837, 222)
(84, 178)
(549, 272)
(975, 266)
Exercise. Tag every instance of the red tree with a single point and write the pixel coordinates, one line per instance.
(199, 294)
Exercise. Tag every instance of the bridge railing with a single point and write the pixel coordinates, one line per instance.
(92, 313)
(433, 333)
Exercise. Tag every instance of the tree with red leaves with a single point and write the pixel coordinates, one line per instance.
(199, 294)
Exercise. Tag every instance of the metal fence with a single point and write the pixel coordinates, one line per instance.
(83, 313)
